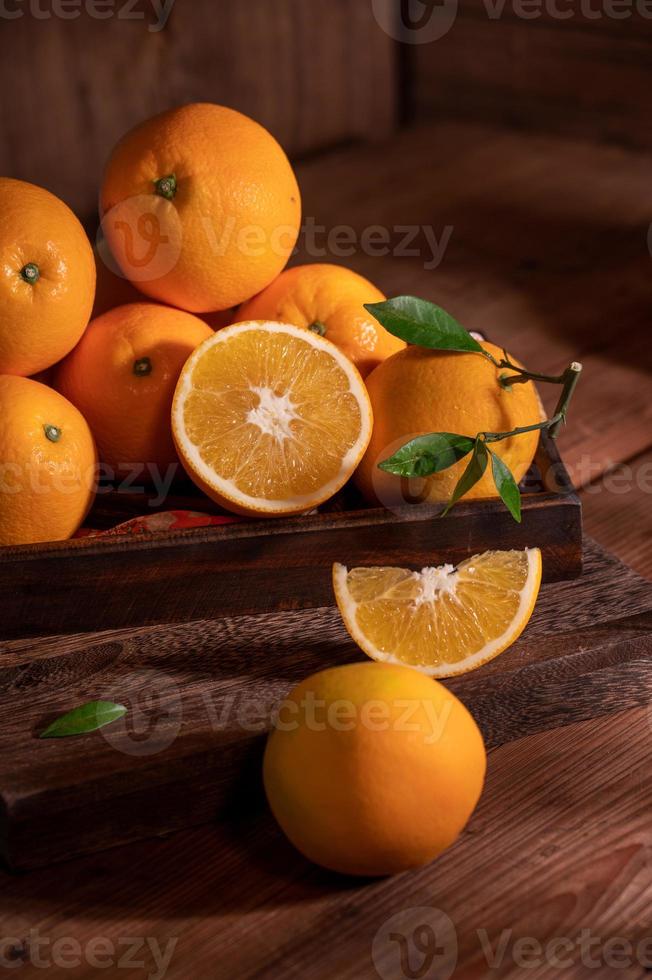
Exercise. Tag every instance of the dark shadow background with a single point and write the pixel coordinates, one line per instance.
(317, 74)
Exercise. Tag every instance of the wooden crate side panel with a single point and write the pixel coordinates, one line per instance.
(210, 574)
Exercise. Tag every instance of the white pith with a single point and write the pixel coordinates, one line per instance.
(436, 581)
(274, 415)
(348, 608)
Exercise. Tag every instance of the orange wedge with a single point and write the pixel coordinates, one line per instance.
(270, 419)
(442, 621)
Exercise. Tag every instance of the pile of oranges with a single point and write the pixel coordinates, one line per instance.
(183, 338)
(200, 211)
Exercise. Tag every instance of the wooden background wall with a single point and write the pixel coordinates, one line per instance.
(316, 72)
(582, 76)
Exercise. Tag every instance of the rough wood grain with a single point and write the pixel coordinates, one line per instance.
(266, 566)
(548, 254)
(202, 696)
(617, 511)
(583, 75)
(314, 74)
(560, 842)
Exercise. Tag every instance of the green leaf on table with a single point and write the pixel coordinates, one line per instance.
(419, 322)
(507, 486)
(86, 718)
(471, 475)
(428, 454)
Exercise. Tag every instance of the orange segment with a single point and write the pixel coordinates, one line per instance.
(269, 418)
(443, 621)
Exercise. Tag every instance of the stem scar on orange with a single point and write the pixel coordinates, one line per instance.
(49, 464)
(200, 207)
(122, 376)
(329, 300)
(47, 278)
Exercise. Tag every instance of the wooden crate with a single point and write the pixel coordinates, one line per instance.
(266, 566)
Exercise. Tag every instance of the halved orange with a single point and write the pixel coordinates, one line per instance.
(442, 621)
(270, 419)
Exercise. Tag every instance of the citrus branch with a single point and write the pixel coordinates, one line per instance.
(416, 321)
(522, 375)
(569, 379)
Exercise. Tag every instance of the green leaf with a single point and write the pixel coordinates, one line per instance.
(506, 486)
(428, 454)
(419, 322)
(474, 472)
(87, 718)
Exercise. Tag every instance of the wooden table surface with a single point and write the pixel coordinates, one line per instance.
(548, 254)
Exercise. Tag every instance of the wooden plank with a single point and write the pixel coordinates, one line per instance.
(582, 76)
(561, 837)
(205, 715)
(314, 74)
(548, 254)
(262, 566)
(617, 512)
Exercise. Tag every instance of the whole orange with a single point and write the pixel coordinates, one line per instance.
(48, 464)
(200, 207)
(112, 288)
(419, 391)
(328, 299)
(373, 769)
(122, 376)
(47, 278)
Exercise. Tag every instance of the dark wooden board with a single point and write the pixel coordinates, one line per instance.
(265, 566)
(201, 696)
